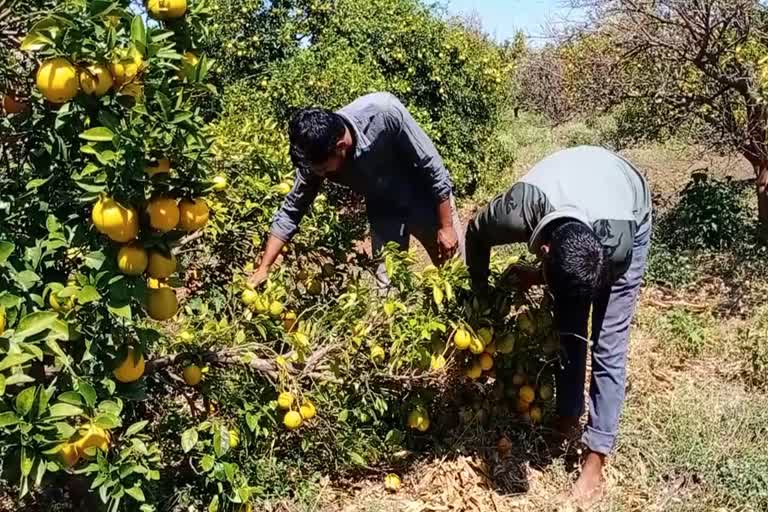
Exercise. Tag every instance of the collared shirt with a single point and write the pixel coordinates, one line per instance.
(394, 166)
(586, 183)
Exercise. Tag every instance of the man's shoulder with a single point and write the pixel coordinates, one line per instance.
(371, 104)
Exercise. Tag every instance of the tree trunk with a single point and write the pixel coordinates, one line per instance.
(761, 183)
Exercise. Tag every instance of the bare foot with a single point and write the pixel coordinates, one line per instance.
(589, 487)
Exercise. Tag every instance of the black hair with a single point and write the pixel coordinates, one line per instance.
(577, 265)
(313, 134)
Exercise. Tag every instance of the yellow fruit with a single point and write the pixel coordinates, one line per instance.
(526, 324)
(162, 166)
(486, 335)
(61, 304)
(418, 419)
(93, 437)
(119, 223)
(2, 321)
(188, 65)
(276, 309)
(289, 320)
(546, 392)
(11, 105)
(234, 439)
(161, 265)
(485, 361)
(314, 287)
(506, 344)
(131, 368)
(476, 346)
(193, 375)
(462, 339)
(68, 454)
(163, 213)
(161, 303)
(392, 482)
(260, 305)
(186, 336)
(307, 410)
(194, 214)
(535, 414)
(437, 361)
(249, 297)
(518, 379)
(126, 66)
(167, 9)
(527, 394)
(96, 80)
(522, 406)
(283, 188)
(292, 420)
(474, 372)
(132, 259)
(219, 183)
(57, 80)
(377, 354)
(491, 348)
(285, 400)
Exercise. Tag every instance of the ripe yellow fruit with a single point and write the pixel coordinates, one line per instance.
(276, 309)
(474, 371)
(535, 414)
(392, 482)
(219, 183)
(527, 394)
(506, 344)
(167, 9)
(161, 303)
(476, 346)
(68, 454)
(96, 80)
(292, 420)
(260, 305)
(132, 259)
(61, 304)
(57, 80)
(307, 410)
(546, 392)
(283, 188)
(192, 375)
(249, 297)
(289, 320)
(2, 321)
(160, 265)
(163, 213)
(418, 419)
(93, 437)
(486, 335)
(377, 354)
(162, 166)
(234, 439)
(126, 66)
(437, 361)
(131, 368)
(462, 339)
(485, 361)
(11, 105)
(285, 400)
(194, 214)
(119, 223)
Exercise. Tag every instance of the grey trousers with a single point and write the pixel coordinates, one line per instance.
(612, 314)
(422, 224)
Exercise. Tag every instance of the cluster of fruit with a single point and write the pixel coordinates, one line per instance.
(295, 414)
(83, 444)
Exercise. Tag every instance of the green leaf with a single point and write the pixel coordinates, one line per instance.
(136, 428)
(189, 439)
(88, 294)
(86, 391)
(206, 463)
(120, 311)
(65, 430)
(213, 506)
(2, 384)
(37, 183)
(135, 493)
(8, 418)
(27, 278)
(34, 323)
(107, 421)
(25, 400)
(95, 259)
(6, 248)
(357, 459)
(220, 441)
(139, 446)
(70, 397)
(35, 41)
(18, 378)
(14, 360)
(63, 410)
(138, 33)
(98, 134)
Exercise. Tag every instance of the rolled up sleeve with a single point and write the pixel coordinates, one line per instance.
(419, 148)
(286, 221)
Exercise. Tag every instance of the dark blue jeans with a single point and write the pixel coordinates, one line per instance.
(612, 314)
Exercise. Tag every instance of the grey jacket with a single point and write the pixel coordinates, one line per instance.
(586, 183)
(395, 166)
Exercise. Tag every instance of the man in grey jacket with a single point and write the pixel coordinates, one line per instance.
(586, 213)
(375, 147)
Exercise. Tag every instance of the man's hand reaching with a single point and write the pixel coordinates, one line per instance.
(521, 276)
(447, 243)
(257, 277)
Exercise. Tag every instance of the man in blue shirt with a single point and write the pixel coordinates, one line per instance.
(375, 147)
